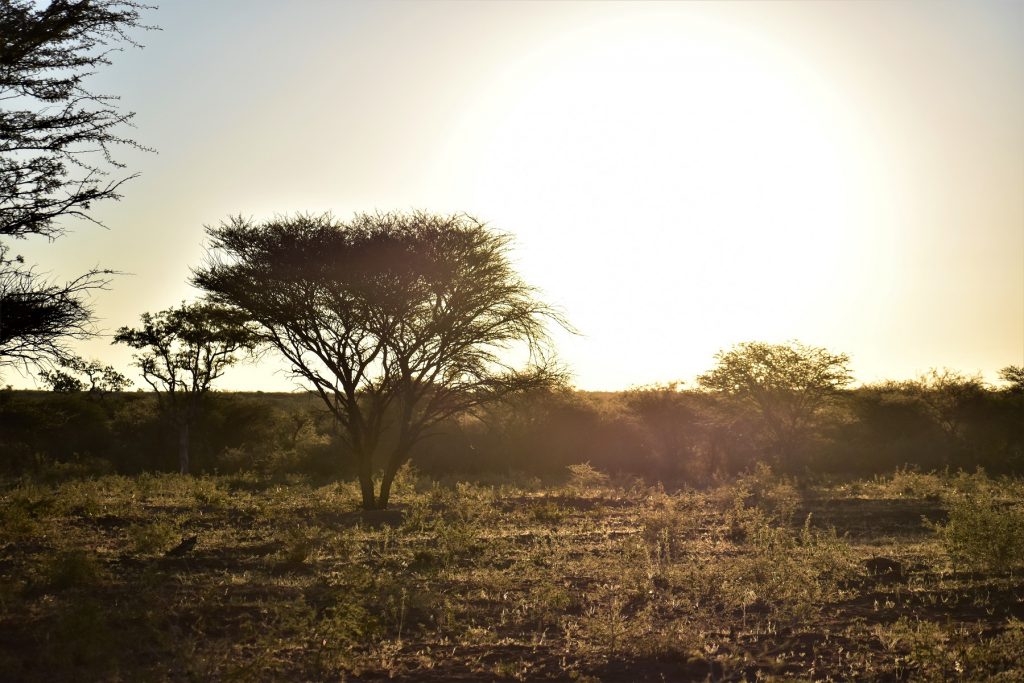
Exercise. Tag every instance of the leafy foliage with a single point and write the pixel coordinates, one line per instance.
(185, 349)
(39, 318)
(1013, 375)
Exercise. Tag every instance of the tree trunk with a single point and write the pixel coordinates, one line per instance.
(385, 489)
(183, 447)
(395, 462)
(365, 466)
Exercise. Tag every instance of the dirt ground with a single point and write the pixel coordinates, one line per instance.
(754, 580)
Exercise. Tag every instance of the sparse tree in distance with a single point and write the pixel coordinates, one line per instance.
(397, 321)
(56, 144)
(99, 379)
(949, 396)
(183, 350)
(787, 385)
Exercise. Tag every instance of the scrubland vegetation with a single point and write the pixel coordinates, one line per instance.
(661, 533)
(769, 522)
(595, 577)
(668, 433)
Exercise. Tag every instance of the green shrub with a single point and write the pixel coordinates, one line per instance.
(456, 541)
(982, 533)
(785, 572)
(21, 509)
(921, 647)
(999, 656)
(80, 498)
(773, 493)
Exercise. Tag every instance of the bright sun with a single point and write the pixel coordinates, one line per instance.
(723, 158)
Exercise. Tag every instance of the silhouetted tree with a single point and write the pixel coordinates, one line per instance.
(1012, 404)
(184, 350)
(1013, 375)
(950, 398)
(56, 142)
(787, 385)
(99, 379)
(394, 320)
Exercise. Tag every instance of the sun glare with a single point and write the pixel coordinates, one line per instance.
(668, 162)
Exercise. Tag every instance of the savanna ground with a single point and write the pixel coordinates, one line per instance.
(914, 576)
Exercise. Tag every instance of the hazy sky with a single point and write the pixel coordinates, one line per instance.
(679, 177)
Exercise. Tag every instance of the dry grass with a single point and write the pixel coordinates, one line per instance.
(595, 581)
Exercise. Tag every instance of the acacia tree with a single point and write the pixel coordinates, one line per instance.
(787, 386)
(183, 350)
(397, 321)
(56, 144)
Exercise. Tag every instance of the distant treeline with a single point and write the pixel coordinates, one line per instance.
(663, 432)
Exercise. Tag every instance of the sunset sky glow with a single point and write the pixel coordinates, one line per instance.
(679, 177)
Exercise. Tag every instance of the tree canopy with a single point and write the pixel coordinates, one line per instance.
(397, 321)
(787, 384)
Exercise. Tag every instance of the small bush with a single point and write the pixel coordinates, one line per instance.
(72, 569)
(921, 647)
(80, 498)
(456, 541)
(153, 537)
(910, 483)
(982, 534)
(1000, 656)
(772, 493)
(584, 476)
(299, 545)
(667, 527)
(208, 494)
(782, 571)
(21, 509)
